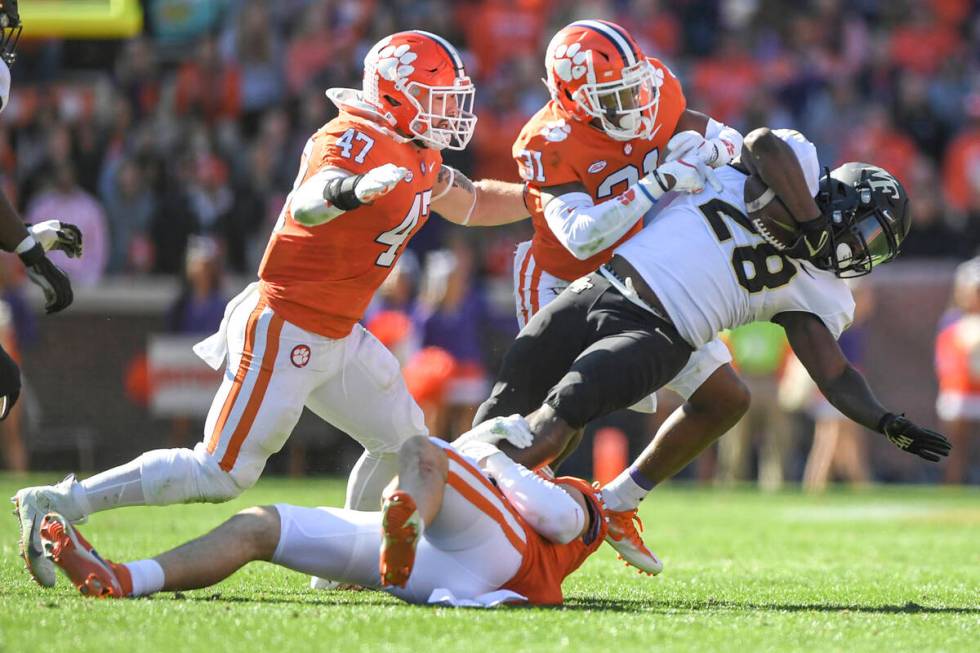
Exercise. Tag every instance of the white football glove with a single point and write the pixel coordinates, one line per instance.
(379, 181)
(714, 152)
(481, 441)
(59, 236)
(688, 176)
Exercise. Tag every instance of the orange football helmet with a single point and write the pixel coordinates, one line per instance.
(596, 70)
(417, 83)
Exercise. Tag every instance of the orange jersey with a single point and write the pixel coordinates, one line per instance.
(958, 359)
(554, 148)
(321, 278)
(546, 564)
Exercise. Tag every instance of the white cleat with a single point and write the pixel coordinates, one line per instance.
(30, 506)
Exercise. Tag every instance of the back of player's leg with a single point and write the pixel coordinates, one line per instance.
(367, 399)
(254, 411)
(331, 543)
(474, 544)
(542, 352)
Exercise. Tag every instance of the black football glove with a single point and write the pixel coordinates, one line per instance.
(814, 243)
(907, 436)
(52, 280)
(58, 236)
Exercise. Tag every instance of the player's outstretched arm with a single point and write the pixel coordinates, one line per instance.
(556, 512)
(847, 389)
(334, 191)
(15, 237)
(484, 203)
(585, 228)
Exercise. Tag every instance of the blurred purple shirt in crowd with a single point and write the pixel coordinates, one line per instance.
(82, 210)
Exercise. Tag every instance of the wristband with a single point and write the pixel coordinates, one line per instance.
(340, 192)
(885, 421)
(32, 256)
(26, 244)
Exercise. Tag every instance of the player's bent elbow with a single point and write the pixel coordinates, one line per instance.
(561, 525)
(582, 251)
(314, 216)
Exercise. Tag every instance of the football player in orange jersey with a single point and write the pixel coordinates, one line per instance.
(464, 525)
(592, 159)
(367, 182)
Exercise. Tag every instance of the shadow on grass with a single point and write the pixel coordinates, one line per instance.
(633, 605)
(371, 598)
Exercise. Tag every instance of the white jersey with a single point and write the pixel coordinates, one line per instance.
(712, 271)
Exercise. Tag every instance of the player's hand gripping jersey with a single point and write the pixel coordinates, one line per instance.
(712, 271)
(322, 277)
(554, 149)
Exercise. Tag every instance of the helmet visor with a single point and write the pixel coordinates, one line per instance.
(865, 245)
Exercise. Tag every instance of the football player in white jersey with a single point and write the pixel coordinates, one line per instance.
(29, 242)
(701, 266)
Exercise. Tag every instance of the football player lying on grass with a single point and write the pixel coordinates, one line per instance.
(445, 533)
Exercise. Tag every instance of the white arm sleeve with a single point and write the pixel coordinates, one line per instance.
(585, 228)
(549, 509)
(307, 204)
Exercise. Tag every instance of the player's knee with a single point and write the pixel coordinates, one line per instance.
(184, 476)
(421, 453)
(550, 430)
(258, 528)
(724, 396)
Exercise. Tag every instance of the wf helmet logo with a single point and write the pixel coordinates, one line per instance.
(571, 62)
(883, 183)
(395, 63)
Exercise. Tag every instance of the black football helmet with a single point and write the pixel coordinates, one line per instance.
(869, 217)
(10, 28)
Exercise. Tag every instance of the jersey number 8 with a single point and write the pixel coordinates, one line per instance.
(769, 268)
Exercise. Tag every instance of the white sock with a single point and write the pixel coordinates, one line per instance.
(117, 487)
(147, 577)
(368, 479)
(624, 492)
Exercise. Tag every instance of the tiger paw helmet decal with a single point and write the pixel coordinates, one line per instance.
(572, 62)
(395, 63)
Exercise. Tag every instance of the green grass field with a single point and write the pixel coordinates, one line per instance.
(891, 569)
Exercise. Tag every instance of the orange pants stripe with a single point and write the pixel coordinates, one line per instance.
(257, 395)
(464, 488)
(251, 325)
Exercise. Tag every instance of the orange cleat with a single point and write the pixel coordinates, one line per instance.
(400, 531)
(66, 547)
(624, 537)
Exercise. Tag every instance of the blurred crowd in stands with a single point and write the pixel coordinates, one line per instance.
(174, 151)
